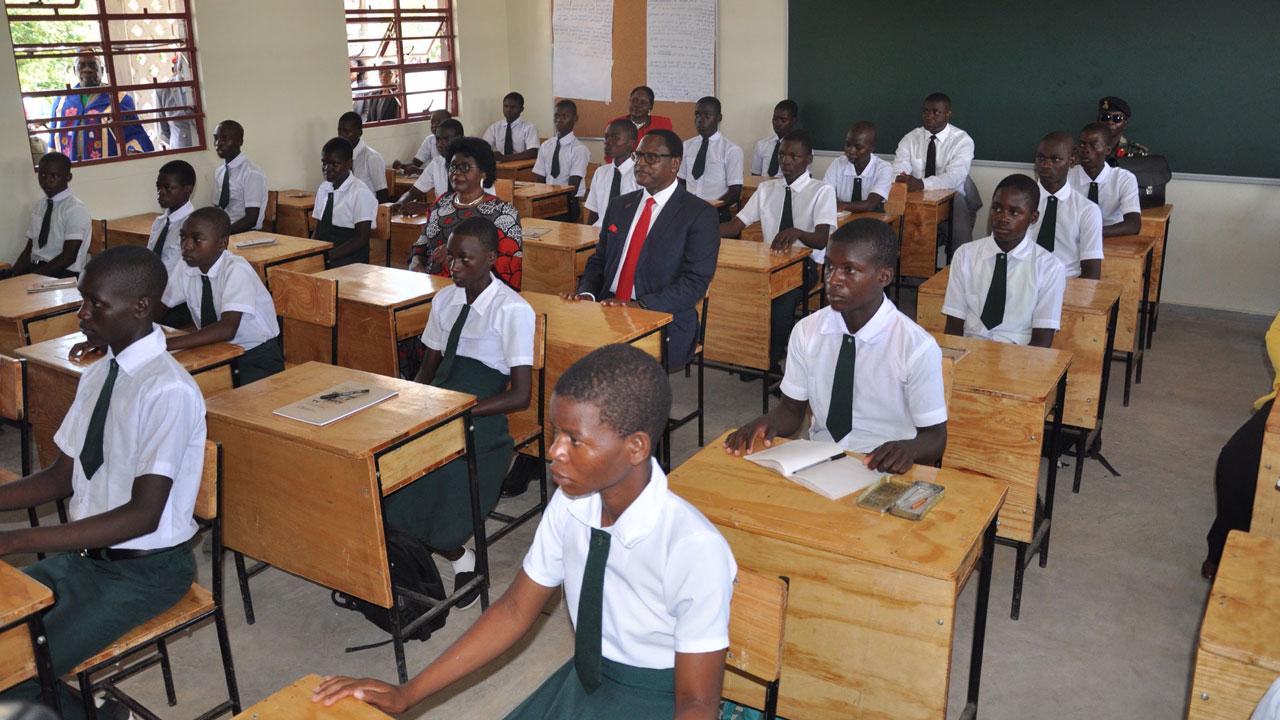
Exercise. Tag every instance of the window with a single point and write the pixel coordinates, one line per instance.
(402, 59)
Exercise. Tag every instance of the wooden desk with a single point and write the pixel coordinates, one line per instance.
(554, 262)
(521, 170)
(1155, 223)
(292, 209)
(308, 499)
(925, 210)
(294, 703)
(1002, 396)
(27, 318)
(293, 253)
(131, 230)
(405, 230)
(540, 200)
(24, 652)
(1128, 262)
(53, 379)
(748, 277)
(1239, 653)
(872, 602)
(1266, 498)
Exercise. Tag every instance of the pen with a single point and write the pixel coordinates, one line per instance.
(337, 395)
(837, 456)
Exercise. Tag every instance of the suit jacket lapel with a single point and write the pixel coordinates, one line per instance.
(614, 260)
(661, 224)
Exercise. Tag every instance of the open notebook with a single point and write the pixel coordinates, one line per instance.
(823, 467)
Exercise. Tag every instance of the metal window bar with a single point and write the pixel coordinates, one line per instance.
(395, 18)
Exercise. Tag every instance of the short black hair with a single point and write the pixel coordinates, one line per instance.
(480, 228)
(711, 100)
(352, 117)
(438, 111)
(876, 234)
(1057, 136)
(626, 385)
(567, 103)
(133, 268)
(1023, 184)
(235, 127)
(646, 90)
(672, 141)
(790, 106)
(939, 97)
(181, 170)
(863, 125)
(802, 137)
(480, 153)
(215, 216)
(1099, 128)
(451, 124)
(338, 147)
(62, 162)
(627, 127)
(513, 95)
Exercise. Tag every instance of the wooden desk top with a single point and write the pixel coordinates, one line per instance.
(1128, 246)
(524, 164)
(294, 703)
(53, 354)
(535, 190)
(737, 493)
(1242, 619)
(416, 221)
(296, 199)
(18, 304)
(139, 224)
(756, 256)
(1091, 297)
(286, 247)
(589, 324)
(753, 181)
(388, 287)
(560, 235)
(1158, 213)
(360, 435)
(930, 197)
(20, 596)
(1018, 372)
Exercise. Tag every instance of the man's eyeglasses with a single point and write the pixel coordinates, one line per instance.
(645, 158)
(1111, 117)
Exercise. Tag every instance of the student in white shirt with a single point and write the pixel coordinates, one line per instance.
(764, 161)
(1069, 226)
(175, 183)
(562, 160)
(366, 163)
(512, 138)
(616, 177)
(345, 207)
(862, 180)
(434, 180)
(428, 150)
(1114, 189)
(948, 169)
(647, 579)
(1005, 287)
(712, 167)
(239, 186)
(60, 229)
(871, 377)
(132, 480)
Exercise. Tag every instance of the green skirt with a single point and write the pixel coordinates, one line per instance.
(636, 693)
(436, 509)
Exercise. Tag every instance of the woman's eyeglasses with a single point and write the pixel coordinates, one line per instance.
(462, 168)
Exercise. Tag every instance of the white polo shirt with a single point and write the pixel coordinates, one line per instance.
(155, 426)
(248, 188)
(171, 253)
(763, 154)
(353, 202)
(368, 165)
(69, 221)
(897, 376)
(1078, 228)
(1117, 191)
(668, 580)
(954, 155)
(1033, 289)
(499, 327)
(723, 167)
(877, 177)
(813, 203)
(574, 157)
(427, 151)
(236, 288)
(523, 135)
(602, 182)
(435, 176)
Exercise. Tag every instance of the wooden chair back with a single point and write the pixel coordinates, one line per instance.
(380, 237)
(207, 498)
(505, 189)
(950, 357)
(540, 342)
(13, 389)
(293, 221)
(591, 173)
(305, 302)
(269, 212)
(896, 203)
(391, 181)
(97, 236)
(757, 625)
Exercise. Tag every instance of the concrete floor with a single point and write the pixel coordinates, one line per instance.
(1107, 630)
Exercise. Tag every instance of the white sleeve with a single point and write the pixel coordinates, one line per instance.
(954, 303)
(544, 563)
(750, 212)
(317, 210)
(491, 136)
(1128, 187)
(77, 225)
(686, 163)
(167, 420)
(542, 161)
(597, 196)
(578, 162)
(364, 207)
(953, 174)
(377, 170)
(795, 377)
(757, 159)
(733, 166)
(1048, 312)
(174, 294)
(697, 588)
(1269, 706)
(902, 156)
(255, 191)
(1090, 232)
(882, 181)
(824, 207)
(424, 150)
(423, 182)
(238, 292)
(926, 396)
(434, 335)
(530, 135)
(518, 324)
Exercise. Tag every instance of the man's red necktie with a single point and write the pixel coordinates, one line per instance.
(626, 278)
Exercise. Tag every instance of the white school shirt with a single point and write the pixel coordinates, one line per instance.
(155, 426)
(813, 203)
(667, 582)
(877, 177)
(69, 221)
(435, 176)
(427, 151)
(499, 327)
(897, 376)
(1033, 293)
(574, 157)
(523, 135)
(1117, 191)
(236, 288)
(171, 254)
(763, 154)
(723, 168)
(248, 188)
(1077, 228)
(954, 156)
(368, 165)
(660, 201)
(353, 202)
(602, 181)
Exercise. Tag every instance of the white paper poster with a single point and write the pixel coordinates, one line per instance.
(582, 49)
(681, 52)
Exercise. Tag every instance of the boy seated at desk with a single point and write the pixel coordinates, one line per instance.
(366, 163)
(862, 180)
(60, 228)
(175, 183)
(131, 470)
(871, 376)
(428, 150)
(435, 176)
(937, 156)
(345, 207)
(647, 579)
(618, 175)
(1113, 189)
(512, 137)
(562, 160)
(1005, 287)
(239, 186)
(712, 167)
(792, 209)
(764, 161)
(1069, 226)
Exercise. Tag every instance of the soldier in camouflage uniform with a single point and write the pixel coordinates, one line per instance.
(1114, 112)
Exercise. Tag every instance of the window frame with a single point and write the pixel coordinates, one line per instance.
(399, 16)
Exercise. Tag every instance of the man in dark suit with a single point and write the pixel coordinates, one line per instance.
(658, 247)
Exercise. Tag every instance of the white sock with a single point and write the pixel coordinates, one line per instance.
(466, 563)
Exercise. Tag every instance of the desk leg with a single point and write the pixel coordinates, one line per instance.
(1155, 306)
(1051, 483)
(397, 639)
(1144, 308)
(44, 663)
(980, 621)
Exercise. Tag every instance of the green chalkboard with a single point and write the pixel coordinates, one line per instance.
(1203, 78)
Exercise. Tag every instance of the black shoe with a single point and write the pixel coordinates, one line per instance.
(1208, 570)
(472, 596)
(112, 709)
(517, 479)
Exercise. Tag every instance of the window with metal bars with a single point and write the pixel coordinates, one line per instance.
(107, 80)
(402, 59)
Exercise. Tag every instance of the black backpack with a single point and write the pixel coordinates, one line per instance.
(412, 569)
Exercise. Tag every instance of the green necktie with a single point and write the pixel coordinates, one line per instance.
(993, 308)
(45, 223)
(586, 636)
(1048, 224)
(208, 315)
(1093, 191)
(325, 228)
(700, 162)
(786, 222)
(508, 147)
(855, 195)
(840, 410)
(773, 159)
(224, 198)
(164, 235)
(451, 347)
(91, 453)
(555, 161)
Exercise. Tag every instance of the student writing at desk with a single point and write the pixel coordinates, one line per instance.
(617, 176)
(239, 186)
(1067, 224)
(1113, 189)
(764, 161)
(435, 176)
(647, 579)
(563, 160)
(60, 228)
(862, 180)
(512, 138)
(345, 207)
(366, 163)
(130, 455)
(428, 150)
(712, 167)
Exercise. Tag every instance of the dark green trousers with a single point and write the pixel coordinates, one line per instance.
(262, 361)
(625, 691)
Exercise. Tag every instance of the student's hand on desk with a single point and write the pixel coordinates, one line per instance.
(914, 184)
(385, 697)
(784, 240)
(574, 297)
(895, 457)
(82, 351)
(744, 439)
(615, 302)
